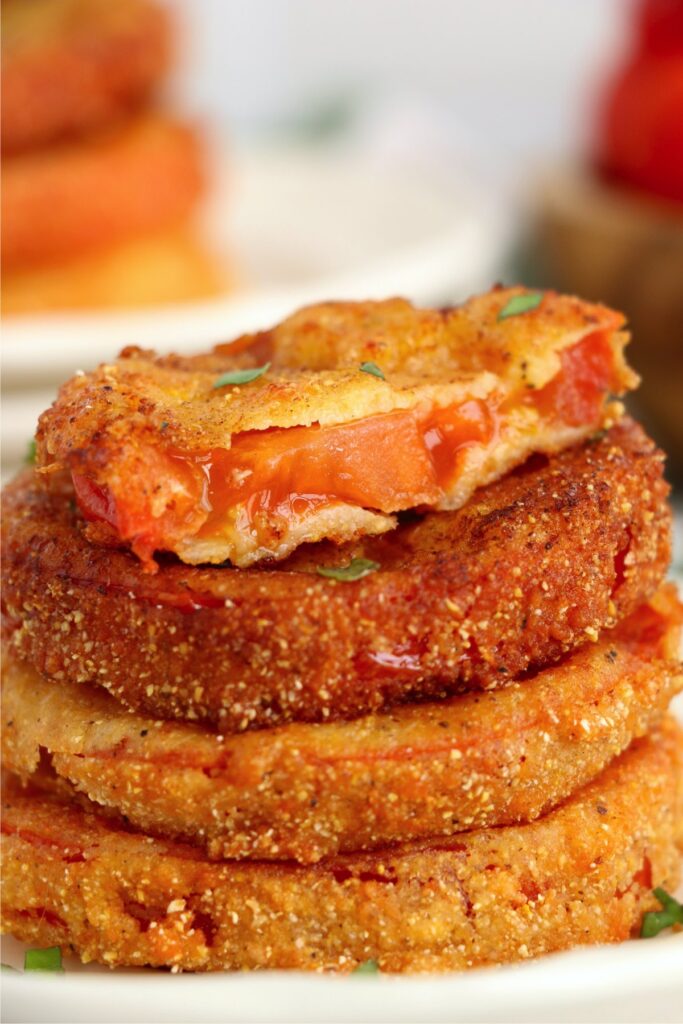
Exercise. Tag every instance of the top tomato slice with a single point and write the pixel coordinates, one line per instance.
(386, 462)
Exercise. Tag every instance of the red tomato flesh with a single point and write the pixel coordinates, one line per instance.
(388, 462)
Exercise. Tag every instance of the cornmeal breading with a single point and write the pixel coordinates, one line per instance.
(582, 874)
(307, 791)
(533, 566)
(165, 457)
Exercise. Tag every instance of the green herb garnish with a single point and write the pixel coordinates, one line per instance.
(520, 304)
(367, 967)
(241, 376)
(8, 967)
(355, 570)
(30, 458)
(656, 921)
(373, 369)
(49, 959)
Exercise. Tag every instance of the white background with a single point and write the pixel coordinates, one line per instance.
(507, 80)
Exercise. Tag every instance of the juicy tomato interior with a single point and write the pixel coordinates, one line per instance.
(575, 395)
(388, 462)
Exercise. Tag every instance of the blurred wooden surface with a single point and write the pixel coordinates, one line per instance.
(626, 250)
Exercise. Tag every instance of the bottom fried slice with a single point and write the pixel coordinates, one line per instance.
(582, 874)
(308, 790)
(168, 267)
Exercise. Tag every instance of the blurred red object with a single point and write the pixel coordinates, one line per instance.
(660, 26)
(640, 122)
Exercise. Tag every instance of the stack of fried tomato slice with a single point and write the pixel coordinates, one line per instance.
(355, 629)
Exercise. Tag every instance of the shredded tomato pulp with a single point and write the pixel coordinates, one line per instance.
(390, 461)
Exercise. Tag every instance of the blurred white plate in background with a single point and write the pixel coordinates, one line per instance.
(300, 225)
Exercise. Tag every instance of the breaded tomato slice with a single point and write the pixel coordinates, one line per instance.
(166, 267)
(531, 567)
(80, 198)
(70, 66)
(306, 791)
(356, 411)
(582, 874)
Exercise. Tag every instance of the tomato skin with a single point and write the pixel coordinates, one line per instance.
(96, 503)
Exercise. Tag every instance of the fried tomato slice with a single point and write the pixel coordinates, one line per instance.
(352, 412)
(167, 267)
(583, 873)
(79, 198)
(70, 66)
(304, 792)
(532, 567)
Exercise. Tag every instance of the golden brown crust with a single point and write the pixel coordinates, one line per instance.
(533, 566)
(70, 66)
(582, 874)
(134, 430)
(131, 180)
(308, 791)
(427, 355)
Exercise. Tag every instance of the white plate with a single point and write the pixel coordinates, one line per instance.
(636, 981)
(301, 226)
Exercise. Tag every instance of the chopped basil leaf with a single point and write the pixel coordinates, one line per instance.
(355, 570)
(656, 921)
(241, 376)
(367, 967)
(49, 959)
(373, 369)
(30, 452)
(520, 304)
